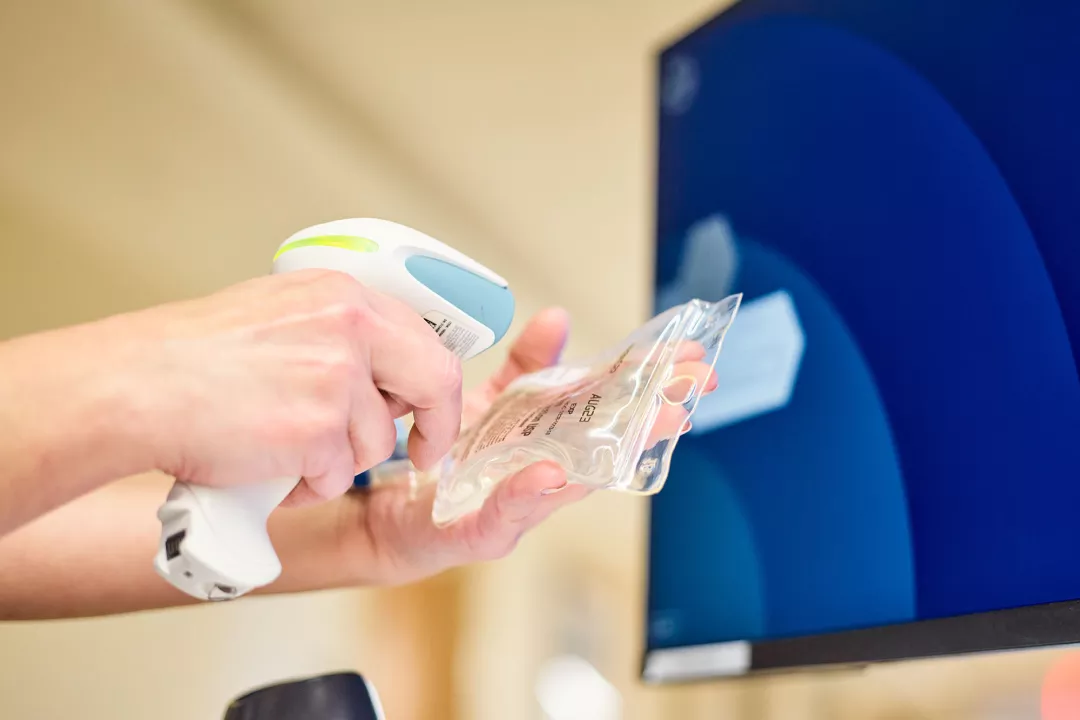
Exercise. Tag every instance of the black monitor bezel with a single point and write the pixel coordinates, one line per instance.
(1022, 628)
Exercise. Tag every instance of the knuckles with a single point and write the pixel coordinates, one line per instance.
(331, 288)
(373, 441)
(310, 430)
(322, 424)
(337, 371)
(329, 282)
(383, 446)
(500, 547)
(344, 302)
(354, 318)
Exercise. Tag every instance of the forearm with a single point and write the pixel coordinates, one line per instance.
(95, 556)
(68, 423)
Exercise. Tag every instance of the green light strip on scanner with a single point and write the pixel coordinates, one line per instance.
(345, 242)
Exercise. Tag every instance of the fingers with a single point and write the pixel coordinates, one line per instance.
(685, 351)
(688, 377)
(689, 350)
(334, 482)
(396, 407)
(409, 364)
(372, 434)
(519, 504)
(518, 497)
(538, 347)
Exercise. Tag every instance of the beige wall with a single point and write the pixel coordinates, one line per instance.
(151, 151)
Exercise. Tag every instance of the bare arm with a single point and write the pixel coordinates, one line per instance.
(287, 375)
(95, 556)
(68, 421)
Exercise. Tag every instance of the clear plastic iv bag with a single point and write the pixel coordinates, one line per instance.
(611, 421)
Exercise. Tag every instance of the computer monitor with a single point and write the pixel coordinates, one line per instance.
(890, 467)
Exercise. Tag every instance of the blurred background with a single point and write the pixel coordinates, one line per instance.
(161, 150)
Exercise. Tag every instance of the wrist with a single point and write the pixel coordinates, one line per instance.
(355, 546)
(320, 546)
(116, 400)
(390, 539)
(360, 553)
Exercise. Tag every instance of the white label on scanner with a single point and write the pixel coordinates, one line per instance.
(456, 338)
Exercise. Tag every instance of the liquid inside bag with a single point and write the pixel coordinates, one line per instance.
(611, 421)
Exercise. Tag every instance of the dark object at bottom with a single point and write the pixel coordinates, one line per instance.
(342, 696)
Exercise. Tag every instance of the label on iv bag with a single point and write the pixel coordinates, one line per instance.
(521, 414)
(455, 337)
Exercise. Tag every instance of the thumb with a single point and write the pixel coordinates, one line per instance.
(538, 346)
(518, 504)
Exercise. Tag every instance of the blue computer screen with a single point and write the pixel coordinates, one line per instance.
(895, 187)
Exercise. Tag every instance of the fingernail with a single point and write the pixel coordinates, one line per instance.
(553, 490)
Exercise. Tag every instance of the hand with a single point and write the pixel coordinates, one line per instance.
(393, 540)
(299, 374)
